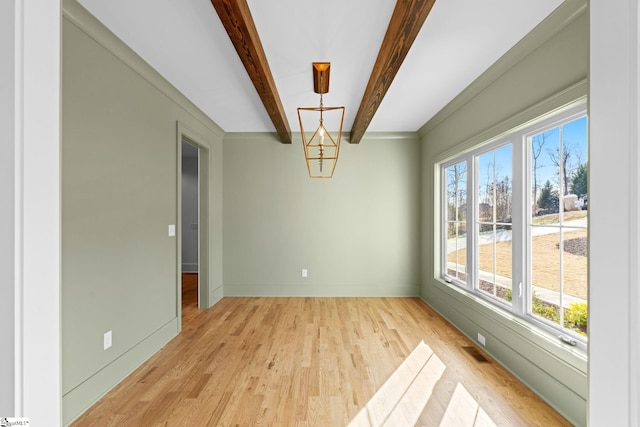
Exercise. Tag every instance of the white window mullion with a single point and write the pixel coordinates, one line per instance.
(444, 223)
(521, 194)
(561, 213)
(494, 202)
(472, 220)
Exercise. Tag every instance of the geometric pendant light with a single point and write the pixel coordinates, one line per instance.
(322, 145)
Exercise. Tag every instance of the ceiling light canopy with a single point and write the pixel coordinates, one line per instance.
(321, 147)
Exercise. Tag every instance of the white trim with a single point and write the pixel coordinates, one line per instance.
(634, 300)
(8, 286)
(37, 138)
(18, 206)
(444, 223)
(614, 104)
(634, 226)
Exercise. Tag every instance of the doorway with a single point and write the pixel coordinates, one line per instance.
(193, 222)
(190, 225)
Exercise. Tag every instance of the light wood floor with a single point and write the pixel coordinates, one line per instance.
(309, 361)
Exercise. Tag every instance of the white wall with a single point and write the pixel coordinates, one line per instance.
(189, 207)
(613, 211)
(7, 193)
(30, 121)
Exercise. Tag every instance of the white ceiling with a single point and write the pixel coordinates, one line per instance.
(186, 42)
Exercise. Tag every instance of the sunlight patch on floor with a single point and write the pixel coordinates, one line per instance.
(402, 398)
(464, 411)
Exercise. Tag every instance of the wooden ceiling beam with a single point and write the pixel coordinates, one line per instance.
(404, 26)
(236, 18)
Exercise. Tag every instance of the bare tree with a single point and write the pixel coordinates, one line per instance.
(503, 200)
(457, 195)
(489, 185)
(560, 158)
(537, 143)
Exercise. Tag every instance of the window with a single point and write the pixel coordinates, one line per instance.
(494, 216)
(515, 223)
(456, 224)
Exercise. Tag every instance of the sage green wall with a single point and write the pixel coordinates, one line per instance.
(358, 233)
(119, 194)
(545, 71)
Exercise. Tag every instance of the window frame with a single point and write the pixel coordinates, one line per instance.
(476, 154)
(521, 269)
(444, 214)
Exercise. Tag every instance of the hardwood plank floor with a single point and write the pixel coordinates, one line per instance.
(309, 361)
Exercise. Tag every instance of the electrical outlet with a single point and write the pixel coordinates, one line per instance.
(481, 339)
(304, 272)
(107, 339)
